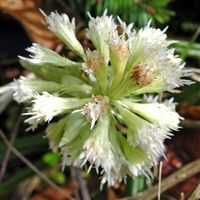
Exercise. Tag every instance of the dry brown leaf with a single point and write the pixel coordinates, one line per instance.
(111, 194)
(50, 193)
(27, 13)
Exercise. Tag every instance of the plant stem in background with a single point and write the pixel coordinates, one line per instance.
(7, 154)
(181, 175)
(33, 167)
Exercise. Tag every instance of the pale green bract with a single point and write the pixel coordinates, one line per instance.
(101, 119)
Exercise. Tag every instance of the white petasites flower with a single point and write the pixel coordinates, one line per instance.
(171, 69)
(100, 29)
(159, 113)
(150, 138)
(65, 30)
(98, 151)
(46, 106)
(21, 91)
(154, 39)
(165, 63)
(25, 88)
(41, 55)
(100, 119)
(161, 72)
(95, 109)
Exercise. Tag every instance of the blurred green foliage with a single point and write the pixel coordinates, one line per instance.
(137, 11)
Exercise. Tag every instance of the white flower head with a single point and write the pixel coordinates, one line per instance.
(150, 138)
(170, 67)
(21, 91)
(163, 71)
(97, 150)
(162, 114)
(154, 39)
(41, 55)
(103, 27)
(95, 109)
(100, 30)
(45, 107)
(165, 63)
(166, 116)
(65, 30)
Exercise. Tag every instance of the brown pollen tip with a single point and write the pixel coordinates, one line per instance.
(143, 74)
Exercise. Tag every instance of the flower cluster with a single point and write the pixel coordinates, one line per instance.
(104, 115)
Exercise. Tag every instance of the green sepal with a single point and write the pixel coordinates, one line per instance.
(55, 133)
(75, 87)
(99, 44)
(131, 137)
(118, 66)
(75, 122)
(40, 86)
(124, 88)
(157, 86)
(75, 147)
(79, 91)
(101, 129)
(50, 72)
(121, 147)
(72, 80)
(132, 154)
(131, 120)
